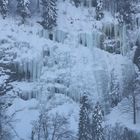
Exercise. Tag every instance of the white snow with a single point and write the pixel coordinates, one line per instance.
(72, 62)
(123, 114)
(25, 112)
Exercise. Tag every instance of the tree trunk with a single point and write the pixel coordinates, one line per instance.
(32, 136)
(134, 109)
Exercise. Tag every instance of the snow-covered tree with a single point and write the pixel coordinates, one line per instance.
(5, 133)
(23, 9)
(125, 11)
(114, 89)
(136, 59)
(3, 8)
(76, 2)
(99, 10)
(97, 119)
(54, 127)
(119, 18)
(49, 14)
(94, 3)
(84, 121)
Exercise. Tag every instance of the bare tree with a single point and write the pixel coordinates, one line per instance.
(51, 128)
(60, 128)
(119, 132)
(130, 105)
(40, 128)
(7, 131)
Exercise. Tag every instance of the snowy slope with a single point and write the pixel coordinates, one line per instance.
(123, 114)
(56, 72)
(80, 68)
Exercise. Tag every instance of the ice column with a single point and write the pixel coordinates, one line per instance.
(29, 69)
(123, 40)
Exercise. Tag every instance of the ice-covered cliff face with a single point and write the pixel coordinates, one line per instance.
(46, 70)
(56, 68)
(66, 67)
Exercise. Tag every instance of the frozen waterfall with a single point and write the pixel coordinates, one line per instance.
(90, 39)
(29, 70)
(58, 35)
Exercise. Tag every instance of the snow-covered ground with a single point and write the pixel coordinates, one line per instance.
(123, 114)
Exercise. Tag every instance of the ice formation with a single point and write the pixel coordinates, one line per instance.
(60, 65)
(58, 35)
(67, 63)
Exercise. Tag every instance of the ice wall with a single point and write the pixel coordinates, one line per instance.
(27, 73)
(72, 70)
(111, 30)
(95, 38)
(26, 90)
(58, 35)
(119, 35)
(28, 70)
(52, 59)
(90, 39)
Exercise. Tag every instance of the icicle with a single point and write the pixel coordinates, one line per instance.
(85, 39)
(56, 36)
(82, 39)
(60, 36)
(34, 70)
(39, 68)
(89, 40)
(24, 63)
(94, 39)
(21, 71)
(46, 34)
(40, 33)
(116, 31)
(79, 39)
(123, 40)
(109, 30)
(28, 71)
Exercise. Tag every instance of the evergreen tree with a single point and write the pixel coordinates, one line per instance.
(94, 3)
(5, 133)
(99, 10)
(23, 9)
(125, 12)
(49, 14)
(84, 122)
(97, 119)
(77, 2)
(3, 8)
